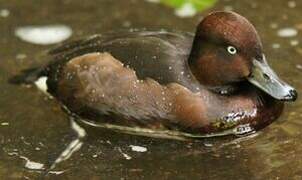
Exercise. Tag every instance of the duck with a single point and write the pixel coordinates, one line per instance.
(212, 81)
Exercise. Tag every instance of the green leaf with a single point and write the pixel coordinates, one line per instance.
(199, 5)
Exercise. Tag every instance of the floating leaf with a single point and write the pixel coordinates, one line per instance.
(188, 8)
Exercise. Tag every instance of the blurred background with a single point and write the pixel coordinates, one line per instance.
(34, 130)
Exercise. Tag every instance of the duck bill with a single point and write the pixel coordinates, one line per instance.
(266, 79)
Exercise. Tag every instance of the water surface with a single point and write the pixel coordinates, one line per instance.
(35, 128)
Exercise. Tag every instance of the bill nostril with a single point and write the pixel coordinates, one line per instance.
(266, 76)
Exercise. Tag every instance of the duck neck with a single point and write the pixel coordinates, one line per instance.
(200, 60)
(195, 52)
(224, 89)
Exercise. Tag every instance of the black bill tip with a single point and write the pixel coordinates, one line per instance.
(292, 95)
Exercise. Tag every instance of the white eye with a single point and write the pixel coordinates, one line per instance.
(232, 50)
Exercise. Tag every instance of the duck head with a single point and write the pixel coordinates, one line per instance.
(227, 51)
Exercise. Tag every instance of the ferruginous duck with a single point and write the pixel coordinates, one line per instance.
(215, 81)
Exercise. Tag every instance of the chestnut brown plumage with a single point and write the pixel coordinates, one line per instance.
(214, 81)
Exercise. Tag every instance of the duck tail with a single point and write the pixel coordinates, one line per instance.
(27, 76)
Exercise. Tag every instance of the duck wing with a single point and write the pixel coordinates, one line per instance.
(159, 55)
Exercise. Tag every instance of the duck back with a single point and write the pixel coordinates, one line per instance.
(161, 56)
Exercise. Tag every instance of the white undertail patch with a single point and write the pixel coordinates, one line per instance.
(41, 84)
